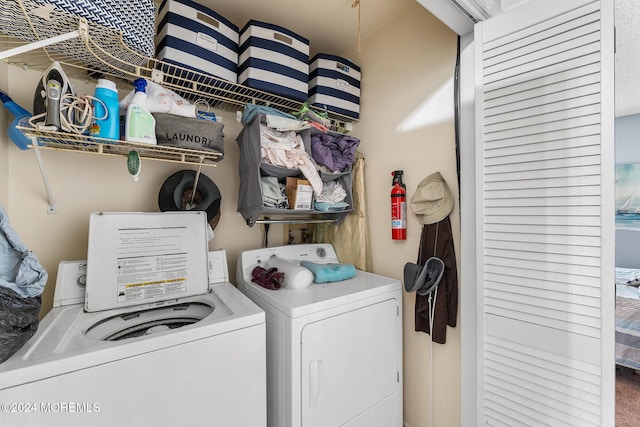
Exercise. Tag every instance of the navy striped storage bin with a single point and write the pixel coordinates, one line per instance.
(192, 35)
(274, 59)
(136, 20)
(335, 84)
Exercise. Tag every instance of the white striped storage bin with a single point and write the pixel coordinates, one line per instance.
(135, 19)
(335, 84)
(274, 59)
(197, 38)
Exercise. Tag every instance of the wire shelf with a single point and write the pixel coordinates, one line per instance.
(85, 144)
(98, 51)
(33, 34)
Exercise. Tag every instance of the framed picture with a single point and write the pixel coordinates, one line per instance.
(628, 195)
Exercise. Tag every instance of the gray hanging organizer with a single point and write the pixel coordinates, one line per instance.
(251, 168)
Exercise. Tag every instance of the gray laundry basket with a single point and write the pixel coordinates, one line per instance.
(191, 133)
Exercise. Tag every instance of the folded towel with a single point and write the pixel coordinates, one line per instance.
(331, 272)
(330, 207)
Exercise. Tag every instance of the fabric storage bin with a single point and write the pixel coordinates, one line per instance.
(335, 83)
(196, 37)
(252, 168)
(274, 59)
(135, 19)
(190, 133)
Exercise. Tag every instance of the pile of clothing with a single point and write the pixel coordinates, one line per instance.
(22, 280)
(286, 149)
(335, 152)
(274, 193)
(282, 145)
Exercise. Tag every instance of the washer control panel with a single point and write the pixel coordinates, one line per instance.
(70, 283)
(315, 252)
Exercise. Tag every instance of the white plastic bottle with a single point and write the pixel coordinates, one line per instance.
(140, 124)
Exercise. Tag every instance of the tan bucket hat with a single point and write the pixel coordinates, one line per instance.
(432, 202)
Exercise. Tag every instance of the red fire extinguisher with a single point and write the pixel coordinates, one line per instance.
(398, 207)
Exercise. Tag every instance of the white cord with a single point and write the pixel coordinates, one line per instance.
(33, 122)
(201, 102)
(432, 309)
(76, 114)
(433, 297)
(195, 184)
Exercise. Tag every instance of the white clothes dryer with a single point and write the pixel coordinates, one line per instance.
(182, 361)
(334, 350)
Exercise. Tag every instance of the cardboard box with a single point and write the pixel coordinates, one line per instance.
(299, 193)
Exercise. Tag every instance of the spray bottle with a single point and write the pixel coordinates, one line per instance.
(140, 123)
(162, 100)
(20, 118)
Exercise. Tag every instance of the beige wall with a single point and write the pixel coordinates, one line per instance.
(403, 64)
(85, 183)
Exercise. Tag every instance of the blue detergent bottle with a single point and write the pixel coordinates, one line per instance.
(107, 112)
(20, 118)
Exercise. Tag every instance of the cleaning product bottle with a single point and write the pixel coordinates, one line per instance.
(20, 118)
(106, 111)
(140, 124)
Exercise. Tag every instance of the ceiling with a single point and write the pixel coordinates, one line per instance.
(330, 25)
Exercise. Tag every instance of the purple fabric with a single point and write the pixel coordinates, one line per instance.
(270, 279)
(335, 152)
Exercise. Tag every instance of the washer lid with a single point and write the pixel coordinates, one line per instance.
(141, 258)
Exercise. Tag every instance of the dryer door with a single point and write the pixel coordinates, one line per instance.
(351, 368)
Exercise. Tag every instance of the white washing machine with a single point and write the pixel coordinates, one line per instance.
(334, 350)
(167, 360)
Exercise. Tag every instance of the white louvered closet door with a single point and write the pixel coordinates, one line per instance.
(545, 215)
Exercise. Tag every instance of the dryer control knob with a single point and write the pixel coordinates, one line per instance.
(321, 252)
